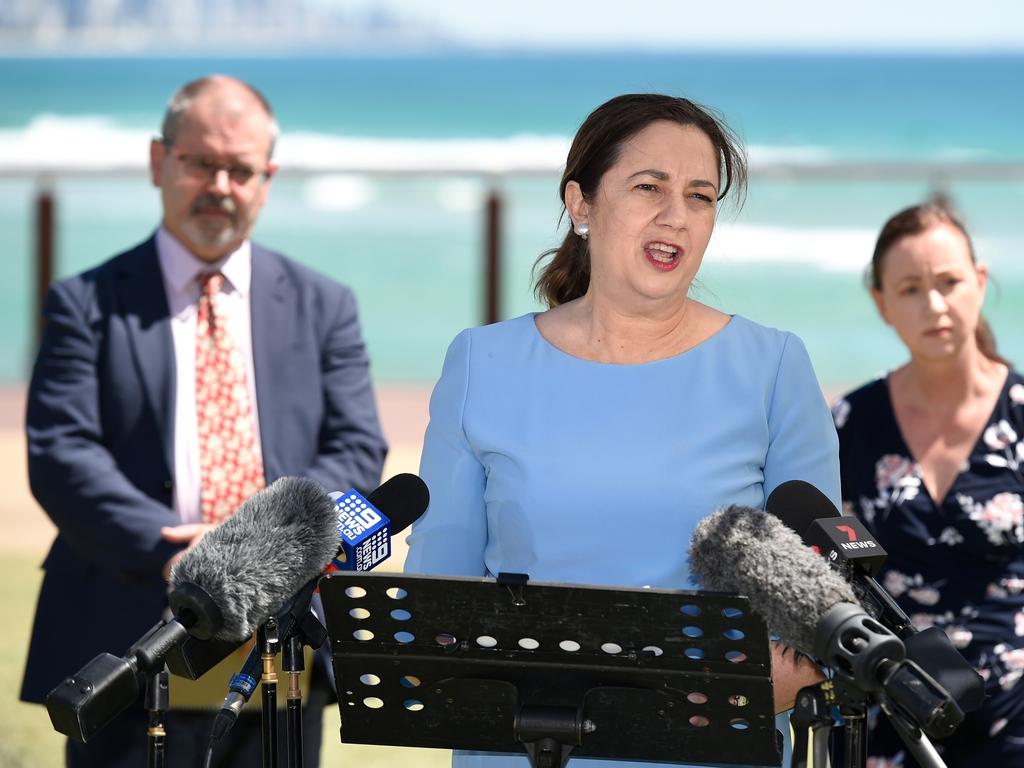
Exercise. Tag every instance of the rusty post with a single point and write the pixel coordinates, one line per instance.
(45, 240)
(492, 258)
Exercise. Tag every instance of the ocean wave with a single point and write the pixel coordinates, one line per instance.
(832, 249)
(53, 142)
(92, 142)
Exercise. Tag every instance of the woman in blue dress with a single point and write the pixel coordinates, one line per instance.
(931, 458)
(584, 443)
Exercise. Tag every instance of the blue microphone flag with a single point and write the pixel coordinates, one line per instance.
(364, 532)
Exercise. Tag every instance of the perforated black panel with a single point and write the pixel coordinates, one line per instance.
(646, 674)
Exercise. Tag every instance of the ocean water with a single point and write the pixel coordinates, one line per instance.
(791, 257)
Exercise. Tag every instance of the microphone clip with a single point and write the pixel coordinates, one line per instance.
(515, 584)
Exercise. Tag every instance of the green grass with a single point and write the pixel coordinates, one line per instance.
(27, 739)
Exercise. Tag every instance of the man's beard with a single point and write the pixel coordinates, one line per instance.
(212, 231)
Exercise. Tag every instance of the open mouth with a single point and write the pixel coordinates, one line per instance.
(663, 255)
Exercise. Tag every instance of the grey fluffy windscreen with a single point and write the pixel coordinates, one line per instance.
(250, 564)
(744, 550)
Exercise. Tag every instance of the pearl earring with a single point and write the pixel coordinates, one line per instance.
(583, 230)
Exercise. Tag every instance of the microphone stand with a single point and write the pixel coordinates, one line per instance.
(855, 733)
(298, 627)
(294, 664)
(294, 624)
(854, 712)
(267, 641)
(157, 699)
(915, 739)
(812, 713)
(301, 628)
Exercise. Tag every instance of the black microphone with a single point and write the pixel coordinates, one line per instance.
(387, 511)
(366, 525)
(850, 548)
(842, 540)
(811, 608)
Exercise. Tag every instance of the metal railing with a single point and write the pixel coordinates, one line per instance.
(938, 175)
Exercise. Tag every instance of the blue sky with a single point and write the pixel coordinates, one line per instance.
(911, 25)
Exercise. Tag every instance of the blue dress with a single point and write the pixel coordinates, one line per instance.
(956, 563)
(576, 471)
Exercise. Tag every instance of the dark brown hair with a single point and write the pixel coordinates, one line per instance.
(595, 149)
(913, 221)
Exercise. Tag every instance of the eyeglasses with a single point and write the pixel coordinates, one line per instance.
(206, 169)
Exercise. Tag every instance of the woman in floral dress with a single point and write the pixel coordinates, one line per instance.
(932, 457)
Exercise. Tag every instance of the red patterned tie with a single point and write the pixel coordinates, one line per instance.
(230, 467)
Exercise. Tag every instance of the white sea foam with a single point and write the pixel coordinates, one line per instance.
(515, 153)
(339, 192)
(803, 153)
(53, 142)
(834, 249)
(459, 195)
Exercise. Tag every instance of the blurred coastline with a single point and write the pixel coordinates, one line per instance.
(409, 243)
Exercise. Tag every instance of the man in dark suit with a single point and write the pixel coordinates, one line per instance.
(119, 411)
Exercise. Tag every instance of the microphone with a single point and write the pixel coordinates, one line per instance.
(851, 549)
(223, 588)
(744, 550)
(259, 557)
(811, 608)
(288, 528)
(844, 541)
(365, 533)
(366, 525)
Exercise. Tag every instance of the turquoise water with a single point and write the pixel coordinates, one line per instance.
(792, 257)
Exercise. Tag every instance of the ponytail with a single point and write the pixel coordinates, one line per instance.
(986, 342)
(567, 275)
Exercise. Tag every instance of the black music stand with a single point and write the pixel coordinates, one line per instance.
(511, 666)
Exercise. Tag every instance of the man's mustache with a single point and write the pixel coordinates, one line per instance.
(215, 202)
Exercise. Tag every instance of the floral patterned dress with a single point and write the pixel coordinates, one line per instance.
(956, 563)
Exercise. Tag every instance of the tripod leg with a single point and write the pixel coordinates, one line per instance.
(267, 639)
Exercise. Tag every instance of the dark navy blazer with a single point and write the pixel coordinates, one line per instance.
(100, 427)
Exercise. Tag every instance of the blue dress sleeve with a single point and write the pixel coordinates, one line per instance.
(802, 437)
(451, 537)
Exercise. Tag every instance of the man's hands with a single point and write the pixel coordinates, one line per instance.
(186, 533)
